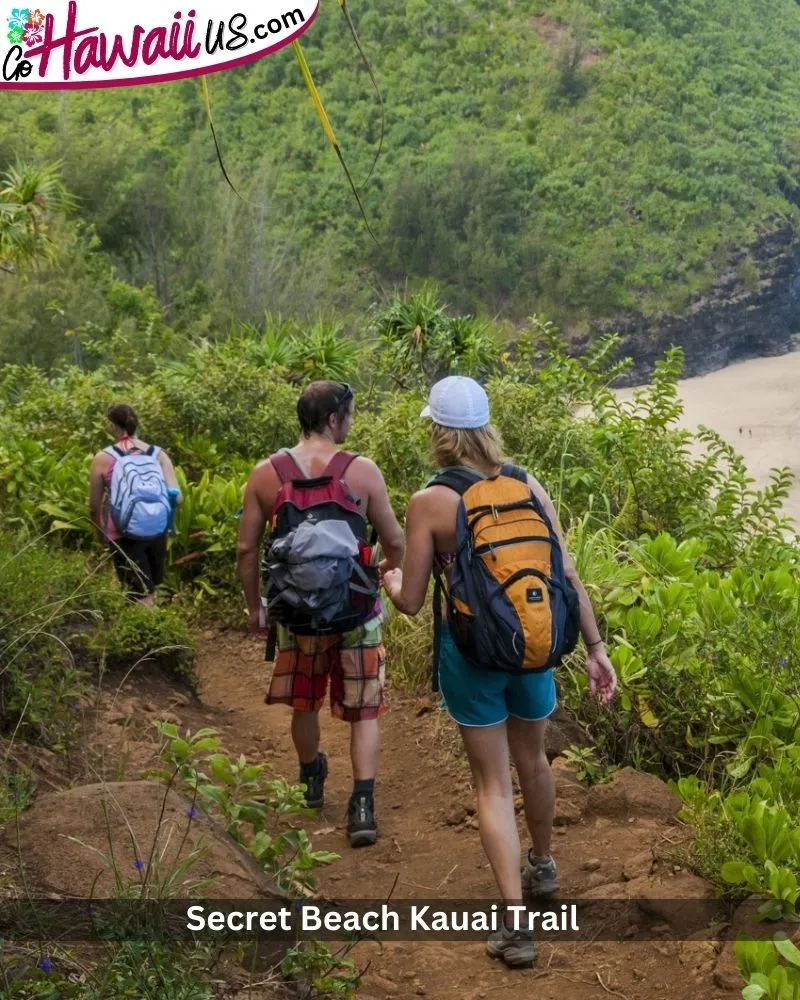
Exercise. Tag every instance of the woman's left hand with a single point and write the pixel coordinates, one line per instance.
(602, 677)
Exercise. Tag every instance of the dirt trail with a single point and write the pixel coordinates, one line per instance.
(422, 797)
(618, 839)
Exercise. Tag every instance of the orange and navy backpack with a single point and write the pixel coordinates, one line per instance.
(510, 606)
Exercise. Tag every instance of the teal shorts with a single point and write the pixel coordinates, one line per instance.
(475, 696)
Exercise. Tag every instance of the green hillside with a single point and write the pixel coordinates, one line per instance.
(570, 158)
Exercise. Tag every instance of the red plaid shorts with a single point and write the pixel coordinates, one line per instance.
(355, 663)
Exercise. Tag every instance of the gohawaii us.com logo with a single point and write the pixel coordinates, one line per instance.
(97, 44)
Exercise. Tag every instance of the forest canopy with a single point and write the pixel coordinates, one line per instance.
(571, 158)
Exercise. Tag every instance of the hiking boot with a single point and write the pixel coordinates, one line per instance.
(539, 878)
(514, 947)
(361, 826)
(315, 783)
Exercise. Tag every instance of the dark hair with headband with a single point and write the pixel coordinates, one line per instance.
(321, 401)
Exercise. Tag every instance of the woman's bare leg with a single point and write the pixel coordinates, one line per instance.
(487, 750)
(526, 741)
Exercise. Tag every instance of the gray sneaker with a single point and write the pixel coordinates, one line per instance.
(539, 880)
(514, 947)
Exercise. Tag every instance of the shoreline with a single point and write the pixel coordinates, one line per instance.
(754, 405)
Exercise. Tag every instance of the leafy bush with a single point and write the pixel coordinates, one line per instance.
(138, 633)
(134, 968)
(748, 840)
(249, 803)
(422, 343)
(61, 617)
(706, 661)
(396, 439)
(766, 976)
(255, 419)
(43, 600)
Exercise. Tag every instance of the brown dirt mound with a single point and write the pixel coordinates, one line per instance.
(67, 841)
(636, 794)
(562, 733)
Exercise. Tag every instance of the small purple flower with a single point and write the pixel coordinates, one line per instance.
(91, 911)
(45, 965)
(193, 813)
(138, 864)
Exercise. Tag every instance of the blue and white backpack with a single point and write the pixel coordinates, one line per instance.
(139, 498)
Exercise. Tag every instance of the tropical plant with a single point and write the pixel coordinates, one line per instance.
(248, 802)
(29, 196)
(766, 976)
(422, 342)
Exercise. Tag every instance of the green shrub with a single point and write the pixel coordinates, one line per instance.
(707, 661)
(766, 976)
(62, 615)
(133, 969)
(246, 409)
(396, 438)
(45, 597)
(137, 633)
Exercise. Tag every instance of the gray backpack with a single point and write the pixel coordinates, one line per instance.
(318, 563)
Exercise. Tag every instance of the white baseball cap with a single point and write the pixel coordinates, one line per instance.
(457, 401)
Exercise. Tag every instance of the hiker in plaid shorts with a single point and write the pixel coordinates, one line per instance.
(349, 662)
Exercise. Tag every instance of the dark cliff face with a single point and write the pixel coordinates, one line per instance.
(731, 323)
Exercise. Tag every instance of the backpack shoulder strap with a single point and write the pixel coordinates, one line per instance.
(285, 464)
(514, 472)
(339, 464)
(114, 451)
(457, 478)
(153, 451)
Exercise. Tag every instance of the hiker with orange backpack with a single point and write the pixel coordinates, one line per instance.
(514, 606)
(322, 609)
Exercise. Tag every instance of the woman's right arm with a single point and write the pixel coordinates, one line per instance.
(408, 588)
(97, 490)
(602, 678)
(169, 474)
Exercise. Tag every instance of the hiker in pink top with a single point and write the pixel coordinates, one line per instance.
(139, 561)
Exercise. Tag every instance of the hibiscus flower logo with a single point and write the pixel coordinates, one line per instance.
(25, 25)
(17, 21)
(20, 16)
(33, 34)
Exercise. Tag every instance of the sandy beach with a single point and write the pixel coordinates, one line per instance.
(755, 405)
